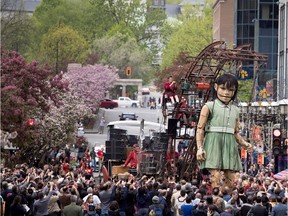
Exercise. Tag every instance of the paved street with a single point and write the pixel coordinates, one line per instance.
(113, 115)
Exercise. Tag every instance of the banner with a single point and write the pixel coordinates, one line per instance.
(243, 153)
(260, 159)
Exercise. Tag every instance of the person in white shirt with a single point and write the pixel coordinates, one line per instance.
(96, 200)
(179, 202)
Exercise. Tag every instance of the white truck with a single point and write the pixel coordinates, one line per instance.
(127, 102)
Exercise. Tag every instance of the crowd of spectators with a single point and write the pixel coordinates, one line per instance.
(60, 190)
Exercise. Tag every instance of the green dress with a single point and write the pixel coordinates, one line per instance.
(220, 143)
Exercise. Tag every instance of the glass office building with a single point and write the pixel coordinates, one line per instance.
(282, 77)
(256, 22)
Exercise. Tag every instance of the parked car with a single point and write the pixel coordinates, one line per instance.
(127, 102)
(145, 91)
(108, 104)
(128, 116)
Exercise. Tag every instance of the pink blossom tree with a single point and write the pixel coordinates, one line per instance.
(89, 83)
(27, 92)
(59, 126)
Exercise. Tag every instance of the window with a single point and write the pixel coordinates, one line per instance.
(265, 45)
(266, 11)
(251, 30)
(240, 17)
(239, 31)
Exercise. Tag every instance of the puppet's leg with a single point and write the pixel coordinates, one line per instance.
(176, 98)
(216, 177)
(229, 179)
(172, 99)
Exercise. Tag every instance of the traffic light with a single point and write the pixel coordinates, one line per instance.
(276, 143)
(30, 122)
(128, 71)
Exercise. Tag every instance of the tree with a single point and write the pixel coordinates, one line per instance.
(98, 18)
(244, 92)
(138, 16)
(62, 45)
(58, 126)
(16, 26)
(192, 36)
(77, 14)
(177, 71)
(89, 83)
(122, 51)
(27, 92)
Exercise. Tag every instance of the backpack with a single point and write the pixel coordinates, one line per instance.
(157, 211)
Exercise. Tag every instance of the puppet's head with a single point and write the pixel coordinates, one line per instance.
(225, 88)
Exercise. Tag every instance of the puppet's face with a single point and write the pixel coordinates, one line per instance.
(223, 93)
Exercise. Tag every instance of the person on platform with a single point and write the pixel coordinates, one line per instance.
(100, 154)
(169, 92)
(131, 160)
(218, 132)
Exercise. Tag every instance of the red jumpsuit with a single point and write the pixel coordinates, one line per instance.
(100, 154)
(169, 91)
(131, 160)
(170, 155)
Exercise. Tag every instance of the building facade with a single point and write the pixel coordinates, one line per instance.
(223, 21)
(255, 22)
(282, 75)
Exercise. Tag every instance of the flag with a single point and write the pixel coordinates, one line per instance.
(245, 73)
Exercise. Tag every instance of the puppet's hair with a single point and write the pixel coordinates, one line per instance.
(229, 80)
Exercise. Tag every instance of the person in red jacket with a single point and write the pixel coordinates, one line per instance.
(169, 92)
(131, 161)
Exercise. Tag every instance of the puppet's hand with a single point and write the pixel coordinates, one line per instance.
(247, 146)
(201, 154)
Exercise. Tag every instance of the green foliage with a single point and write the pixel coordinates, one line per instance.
(173, 1)
(244, 90)
(63, 45)
(16, 28)
(137, 17)
(77, 14)
(123, 51)
(192, 36)
(120, 28)
(98, 18)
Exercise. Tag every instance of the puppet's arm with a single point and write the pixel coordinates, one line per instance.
(239, 138)
(201, 154)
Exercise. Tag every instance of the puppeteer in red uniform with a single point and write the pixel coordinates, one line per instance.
(169, 92)
(172, 155)
(131, 161)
